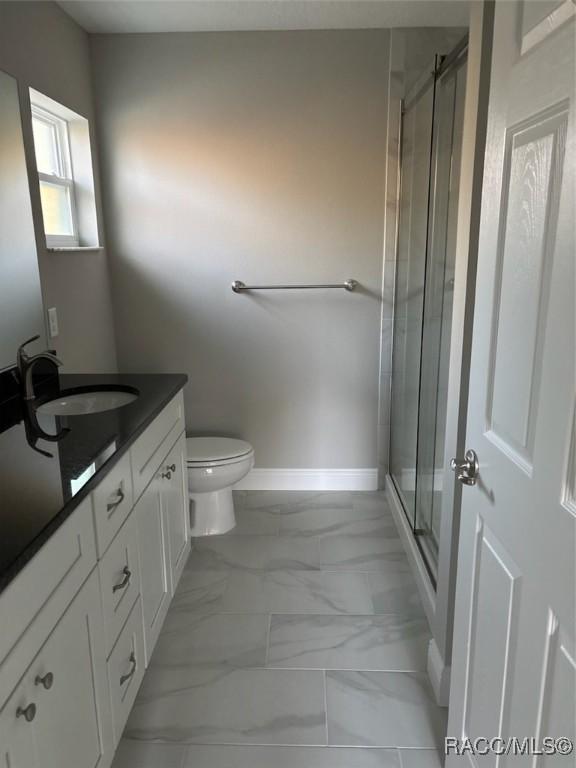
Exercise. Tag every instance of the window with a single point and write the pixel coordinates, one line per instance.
(65, 175)
(52, 147)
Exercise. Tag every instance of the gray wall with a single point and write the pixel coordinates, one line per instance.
(42, 47)
(260, 157)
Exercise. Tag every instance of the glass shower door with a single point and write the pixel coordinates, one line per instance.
(415, 150)
(438, 300)
(430, 164)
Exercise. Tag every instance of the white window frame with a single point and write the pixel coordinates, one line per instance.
(64, 177)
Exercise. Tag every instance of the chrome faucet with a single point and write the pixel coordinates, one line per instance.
(25, 365)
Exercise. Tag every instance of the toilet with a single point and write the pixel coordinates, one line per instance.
(215, 464)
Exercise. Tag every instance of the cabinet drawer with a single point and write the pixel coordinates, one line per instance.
(39, 595)
(119, 580)
(126, 669)
(151, 447)
(112, 501)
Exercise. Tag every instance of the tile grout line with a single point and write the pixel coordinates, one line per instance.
(186, 754)
(267, 654)
(326, 708)
(363, 670)
(286, 745)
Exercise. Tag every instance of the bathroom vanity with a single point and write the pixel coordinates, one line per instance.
(93, 540)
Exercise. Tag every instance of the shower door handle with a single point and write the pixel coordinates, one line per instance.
(466, 469)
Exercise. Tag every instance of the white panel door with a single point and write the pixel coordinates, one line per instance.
(514, 668)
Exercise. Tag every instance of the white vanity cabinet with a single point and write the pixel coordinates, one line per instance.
(163, 539)
(154, 566)
(112, 501)
(83, 615)
(126, 666)
(174, 500)
(59, 714)
(119, 580)
(17, 744)
(68, 680)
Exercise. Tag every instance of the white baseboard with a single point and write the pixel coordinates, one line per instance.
(439, 674)
(309, 480)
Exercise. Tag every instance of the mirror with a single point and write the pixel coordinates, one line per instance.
(21, 311)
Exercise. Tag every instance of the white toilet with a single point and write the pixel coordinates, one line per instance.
(215, 464)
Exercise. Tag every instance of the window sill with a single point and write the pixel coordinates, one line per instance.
(83, 248)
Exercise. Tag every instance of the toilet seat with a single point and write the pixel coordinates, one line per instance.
(216, 451)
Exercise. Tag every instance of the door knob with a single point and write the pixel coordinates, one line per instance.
(46, 681)
(466, 469)
(28, 713)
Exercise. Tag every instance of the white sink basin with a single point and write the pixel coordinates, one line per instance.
(83, 403)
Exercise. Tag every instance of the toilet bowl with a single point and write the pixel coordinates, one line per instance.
(215, 464)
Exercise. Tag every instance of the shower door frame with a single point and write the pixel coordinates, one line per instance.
(446, 66)
(425, 84)
(438, 598)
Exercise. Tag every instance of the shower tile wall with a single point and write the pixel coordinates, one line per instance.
(299, 640)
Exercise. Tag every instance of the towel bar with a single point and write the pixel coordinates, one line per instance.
(239, 287)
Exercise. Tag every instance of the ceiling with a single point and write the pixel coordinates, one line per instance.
(122, 16)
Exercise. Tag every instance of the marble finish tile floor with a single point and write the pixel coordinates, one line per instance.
(296, 641)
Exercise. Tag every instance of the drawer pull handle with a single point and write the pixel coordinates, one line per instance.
(166, 475)
(171, 467)
(46, 681)
(125, 678)
(125, 581)
(28, 713)
(117, 501)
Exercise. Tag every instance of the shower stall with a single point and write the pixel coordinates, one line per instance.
(430, 149)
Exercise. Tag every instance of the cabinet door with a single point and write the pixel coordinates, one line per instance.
(154, 570)
(17, 735)
(73, 725)
(175, 507)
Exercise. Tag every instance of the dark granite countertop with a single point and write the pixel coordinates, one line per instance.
(39, 492)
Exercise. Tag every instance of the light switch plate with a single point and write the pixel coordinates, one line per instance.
(53, 322)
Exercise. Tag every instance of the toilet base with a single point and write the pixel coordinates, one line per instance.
(211, 513)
